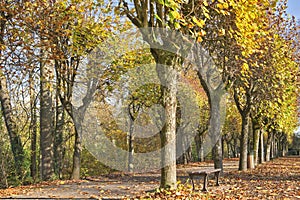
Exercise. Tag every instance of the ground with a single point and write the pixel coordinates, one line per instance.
(277, 179)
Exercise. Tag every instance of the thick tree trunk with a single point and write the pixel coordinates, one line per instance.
(215, 128)
(14, 137)
(167, 70)
(244, 142)
(217, 155)
(46, 126)
(168, 134)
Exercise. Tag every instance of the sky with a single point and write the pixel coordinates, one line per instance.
(294, 8)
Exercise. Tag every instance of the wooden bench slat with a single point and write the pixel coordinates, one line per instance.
(204, 172)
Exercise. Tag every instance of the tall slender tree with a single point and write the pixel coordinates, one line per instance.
(7, 15)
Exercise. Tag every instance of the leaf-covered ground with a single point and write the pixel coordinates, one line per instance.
(278, 179)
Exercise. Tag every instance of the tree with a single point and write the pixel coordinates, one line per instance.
(142, 19)
(263, 77)
(65, 32)
(46, 124)
(7, 16)
(227, 36)
(84, 31)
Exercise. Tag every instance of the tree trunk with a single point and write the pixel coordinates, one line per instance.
(268, 147)
(217, 155)
(130, 146)
(180, 154)
(3, 168)
(235, 147)
(186, 156)
(201, 153)
(46, 131)
(167, 70)
(216, 98)
(76, 156)
(223, 142)
(275, 146)
(199, 147)
(77, 116)
(58, 138)
(33, 157)
(14, 137)
(33, 130)
(229, 149)
(244, 142)
(215, 128)
(261, 147)
(272, 147)
(284, 148)
(256, 136)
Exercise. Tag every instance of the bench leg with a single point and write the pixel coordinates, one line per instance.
(191, 177)
(217, 176)
(205, 183)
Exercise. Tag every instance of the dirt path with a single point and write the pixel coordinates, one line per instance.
(279, 178)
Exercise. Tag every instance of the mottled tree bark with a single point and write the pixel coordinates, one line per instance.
(167, 69)
(46, 125)
(215, 127)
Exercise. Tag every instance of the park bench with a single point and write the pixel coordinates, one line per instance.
(205, 174)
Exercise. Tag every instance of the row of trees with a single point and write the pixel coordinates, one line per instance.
(252, 45)
(247, 49)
